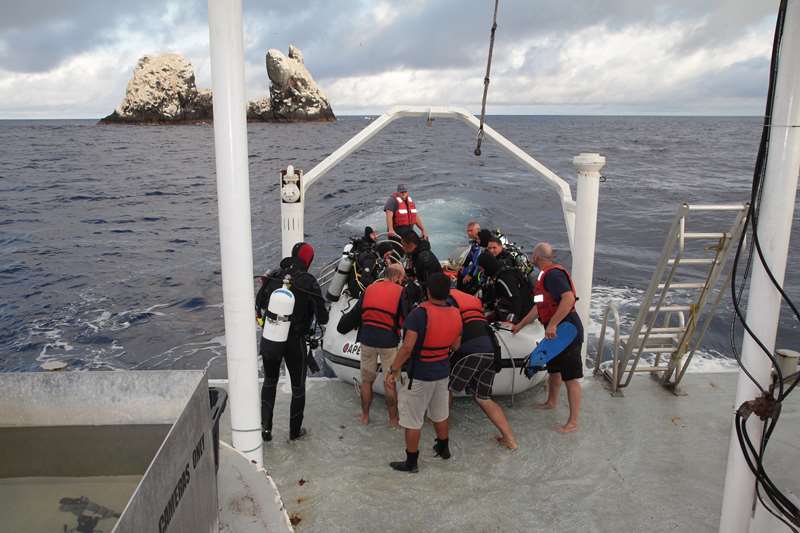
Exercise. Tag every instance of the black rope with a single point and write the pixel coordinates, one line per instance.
(486, 79)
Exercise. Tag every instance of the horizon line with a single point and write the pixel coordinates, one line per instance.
(369, 114)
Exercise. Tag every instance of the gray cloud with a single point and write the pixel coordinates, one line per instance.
(342, 38)
(447, 33)
(40, 34)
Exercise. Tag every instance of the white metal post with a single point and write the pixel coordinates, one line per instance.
(588, 166)
(293, 200)
(763, 303)
(233, 190)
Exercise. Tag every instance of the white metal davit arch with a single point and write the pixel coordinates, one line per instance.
(580, 217)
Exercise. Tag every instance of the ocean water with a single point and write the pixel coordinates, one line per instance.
(109, 254)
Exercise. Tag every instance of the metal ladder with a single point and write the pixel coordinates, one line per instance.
(666, 328)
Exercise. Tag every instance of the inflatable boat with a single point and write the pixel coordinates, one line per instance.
(342, 352)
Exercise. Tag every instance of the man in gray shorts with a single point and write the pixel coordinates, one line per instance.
(432, 330)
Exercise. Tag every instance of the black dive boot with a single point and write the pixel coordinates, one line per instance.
(442, 448)
(409, 465)
(299, 435)
(266, 434)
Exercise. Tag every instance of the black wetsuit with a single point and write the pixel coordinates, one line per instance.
(505, 259)
(424, 262)
(509, 295)
(308, 305)
(506, 289)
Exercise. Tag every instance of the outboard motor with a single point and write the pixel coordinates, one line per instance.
(343, 268)
(279, 312)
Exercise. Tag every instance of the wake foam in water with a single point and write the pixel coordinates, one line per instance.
(445, 221)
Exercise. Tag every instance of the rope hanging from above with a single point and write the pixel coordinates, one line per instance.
(486, 80)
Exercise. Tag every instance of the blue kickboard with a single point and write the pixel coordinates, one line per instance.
(549, 348)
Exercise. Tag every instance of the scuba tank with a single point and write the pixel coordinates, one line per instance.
(342, 273)
(279, 312)
(520, 259)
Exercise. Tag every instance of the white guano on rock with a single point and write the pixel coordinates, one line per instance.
(294, 94)
(162, 89)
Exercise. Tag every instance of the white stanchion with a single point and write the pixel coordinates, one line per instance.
(588, 167)
(233, 190)
(764, 301)
(293, 198)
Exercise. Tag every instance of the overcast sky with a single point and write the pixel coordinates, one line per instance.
(73, 58)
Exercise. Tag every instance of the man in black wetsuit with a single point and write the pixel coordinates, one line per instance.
(423, 261)
(505, 291)
(308, 304)
(495, 248)
(366, 242)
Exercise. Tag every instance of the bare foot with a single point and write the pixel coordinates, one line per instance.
(511, 444)
(545, 405)
(568, 428)
(364, 418)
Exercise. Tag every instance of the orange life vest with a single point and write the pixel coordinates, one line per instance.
(546, 305)
(380, 305)
(406, 212)
(442, 329)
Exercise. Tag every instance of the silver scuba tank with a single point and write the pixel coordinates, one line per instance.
(339, 279)
(281, 305)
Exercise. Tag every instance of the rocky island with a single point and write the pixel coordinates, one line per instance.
(163, 91)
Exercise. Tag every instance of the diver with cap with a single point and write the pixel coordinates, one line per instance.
(308, 305)
(401, 214)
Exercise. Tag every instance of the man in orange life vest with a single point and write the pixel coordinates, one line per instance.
(472, 366)
(431, 331)
(401, 214)
(379, 313)
(554, 297)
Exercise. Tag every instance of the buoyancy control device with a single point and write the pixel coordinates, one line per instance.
(343, 268)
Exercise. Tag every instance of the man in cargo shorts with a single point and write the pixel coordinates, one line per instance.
(432, 330)
(379, 313)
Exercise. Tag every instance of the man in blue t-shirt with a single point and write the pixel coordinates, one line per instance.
(555, 303)
(431, 332)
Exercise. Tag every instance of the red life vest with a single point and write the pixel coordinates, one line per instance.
(469, 306)
(446, 322)
(546, 305)
(380, 304)
(472, 317)
(406, 212)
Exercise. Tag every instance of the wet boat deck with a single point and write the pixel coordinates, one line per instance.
(648, 462)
